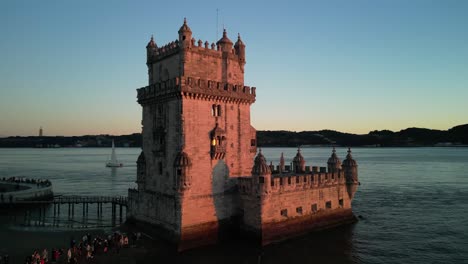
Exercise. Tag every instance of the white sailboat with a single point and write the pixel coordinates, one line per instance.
(113, 162)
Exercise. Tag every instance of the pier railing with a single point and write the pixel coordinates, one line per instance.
(73, 199)
(117, 204)
(119, 200)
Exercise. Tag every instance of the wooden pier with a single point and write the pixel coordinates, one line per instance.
(69, 202)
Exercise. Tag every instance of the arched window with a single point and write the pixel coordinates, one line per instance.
(218, 143)
(216, 110)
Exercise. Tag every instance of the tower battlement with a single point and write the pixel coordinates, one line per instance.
(291, 182)
(221, 62)
(204, 48)
(197, 88)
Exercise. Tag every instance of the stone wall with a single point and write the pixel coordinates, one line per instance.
(214, 65)
(156, 209)
(159, 122)
(212, 196)
(163, 70)
(299, 203)
(280, 206)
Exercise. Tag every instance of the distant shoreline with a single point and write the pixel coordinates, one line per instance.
(410, 137)
(302, 147)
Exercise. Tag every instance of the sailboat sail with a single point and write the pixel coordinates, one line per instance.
(113, 155)
(113, 162)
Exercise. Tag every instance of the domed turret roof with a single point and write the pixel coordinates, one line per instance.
(349, 161)
(151, 43)
(224, 39)
(239, 41)
(334, 158)
(260, 165)
(298, 158)
(185, 27)
(182, 160)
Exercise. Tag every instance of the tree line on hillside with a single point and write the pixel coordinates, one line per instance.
(382, 138)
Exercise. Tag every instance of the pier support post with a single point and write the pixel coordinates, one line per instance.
(44, 208)
(120, 213)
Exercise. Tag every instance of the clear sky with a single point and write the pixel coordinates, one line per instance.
(354, 66)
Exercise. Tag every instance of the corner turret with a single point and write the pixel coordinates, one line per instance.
(151, 49)
(334, 163)
(141, 170)
(185, 35)
(151, 44)
(260, 167)
(181, 165)
(225, 44)
(349, 167)
(299, 162)
(261, 173)
(240, 50)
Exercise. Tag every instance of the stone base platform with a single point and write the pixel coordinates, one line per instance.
(192, 236)
(216, 232)
(279, 231)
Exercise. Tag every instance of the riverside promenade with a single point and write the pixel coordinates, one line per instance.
(19, 192)
(16, 189)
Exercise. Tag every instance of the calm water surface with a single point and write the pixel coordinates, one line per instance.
(413, 203)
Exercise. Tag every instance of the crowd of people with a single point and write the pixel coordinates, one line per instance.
(4, 259)
(84, 250)
(14, 185)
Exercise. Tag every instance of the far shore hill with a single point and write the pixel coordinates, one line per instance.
(410, 137)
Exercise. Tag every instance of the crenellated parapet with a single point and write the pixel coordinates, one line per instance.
(158, 91)
(298, 177)
(190, 87)
(160, 53)
(186, 46)
(291, 182)
(212, 90)
(201, 47)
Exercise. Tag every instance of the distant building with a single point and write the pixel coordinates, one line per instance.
(197, 174)
(40, 132)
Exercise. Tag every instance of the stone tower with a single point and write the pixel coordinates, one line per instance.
(197, 138)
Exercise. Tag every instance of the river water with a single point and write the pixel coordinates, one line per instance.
(413, 204)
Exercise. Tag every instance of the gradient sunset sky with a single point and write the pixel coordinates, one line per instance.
(72, 67)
